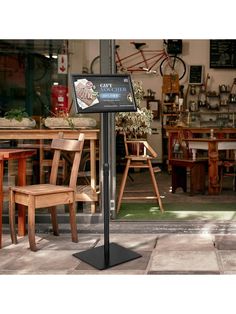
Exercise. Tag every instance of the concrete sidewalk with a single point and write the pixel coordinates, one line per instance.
(164, 253)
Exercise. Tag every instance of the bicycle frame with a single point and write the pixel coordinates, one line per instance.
(144, 64)
(144, 61)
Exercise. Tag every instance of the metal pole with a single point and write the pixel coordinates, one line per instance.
(107, 149)
(106, 190)
(107, 66)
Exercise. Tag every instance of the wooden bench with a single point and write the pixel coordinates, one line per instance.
(197, 169)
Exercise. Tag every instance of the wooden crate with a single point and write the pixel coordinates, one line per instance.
(170, 84)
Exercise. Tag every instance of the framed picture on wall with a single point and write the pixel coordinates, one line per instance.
(154, 105)
(223, 53)
(196, 74)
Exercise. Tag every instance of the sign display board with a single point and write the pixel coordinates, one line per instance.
(223, 54)
(103, 93)
(195, 74)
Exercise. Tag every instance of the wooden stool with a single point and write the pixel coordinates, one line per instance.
(197, 174)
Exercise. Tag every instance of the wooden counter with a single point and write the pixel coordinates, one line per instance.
(212, 146)
(199, 138)
(173, 132)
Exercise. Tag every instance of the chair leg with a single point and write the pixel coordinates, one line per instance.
(54, 220)
(31, 223)
(73, 224)
(155, 185)
(12, 217)
(122, 186)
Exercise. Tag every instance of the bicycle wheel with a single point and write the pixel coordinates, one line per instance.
(42, 67)
(171, 65)
(95, 65)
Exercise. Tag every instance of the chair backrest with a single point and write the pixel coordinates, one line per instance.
(138, 148)
(60, 146)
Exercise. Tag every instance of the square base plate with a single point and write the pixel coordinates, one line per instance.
(117, 255)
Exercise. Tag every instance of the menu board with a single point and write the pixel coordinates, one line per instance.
(223, 53)
(195, 74)
(103, 93)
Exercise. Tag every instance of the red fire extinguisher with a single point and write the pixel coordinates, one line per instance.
(59, 99)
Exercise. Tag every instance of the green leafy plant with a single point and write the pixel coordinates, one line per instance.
(135, 124)
(17, 114)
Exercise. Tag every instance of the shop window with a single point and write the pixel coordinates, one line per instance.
(28, 69)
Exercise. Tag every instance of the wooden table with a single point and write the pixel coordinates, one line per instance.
(172, 133)
(212, 145)
(21, 155)
(92, 135)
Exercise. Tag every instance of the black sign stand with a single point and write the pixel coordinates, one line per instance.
(109, 254)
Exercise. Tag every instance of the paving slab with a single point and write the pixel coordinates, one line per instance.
(54, 255)
(51, 242)
(182, 242)
(183, 262)
(228, 260)
(136, 242)
(109, 271)
(34, 262)
(225, 242)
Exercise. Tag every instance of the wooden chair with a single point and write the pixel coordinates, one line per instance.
(228, 169)
(139, 158)
(49, 195)
(197, 174)
(43, 163)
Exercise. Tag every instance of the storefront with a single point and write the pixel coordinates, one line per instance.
(35, 80)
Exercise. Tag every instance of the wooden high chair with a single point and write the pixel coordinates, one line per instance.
(139, 158)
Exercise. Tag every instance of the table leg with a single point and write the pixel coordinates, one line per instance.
(21, 208)
(179, 178)
(194, 152)
(1, 197)
(213, 175)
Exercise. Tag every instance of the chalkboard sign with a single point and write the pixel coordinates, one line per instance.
(223, 54)
(195, 74)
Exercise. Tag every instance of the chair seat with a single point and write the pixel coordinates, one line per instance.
(138, 158)
(85, 193)
(40, 189)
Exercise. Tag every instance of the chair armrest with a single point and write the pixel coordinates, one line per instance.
(150, 149)
(146, 145)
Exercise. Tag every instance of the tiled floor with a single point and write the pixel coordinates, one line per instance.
(160, 254)
(142, 182)
(165, 247)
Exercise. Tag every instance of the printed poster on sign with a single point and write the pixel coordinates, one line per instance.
(103, 93)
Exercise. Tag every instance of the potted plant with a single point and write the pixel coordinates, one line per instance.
(135, 124)
(70, 122)
(65, 120)
(17, 118)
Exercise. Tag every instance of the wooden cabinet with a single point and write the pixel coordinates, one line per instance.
(171, 105)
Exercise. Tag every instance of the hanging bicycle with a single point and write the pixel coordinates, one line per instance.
(145, 60)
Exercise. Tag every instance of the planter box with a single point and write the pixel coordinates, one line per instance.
(70, 122)
(25, 123)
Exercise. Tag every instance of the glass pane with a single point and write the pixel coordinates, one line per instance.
(28, 70)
